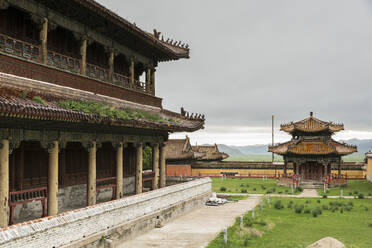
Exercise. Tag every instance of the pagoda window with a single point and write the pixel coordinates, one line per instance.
(18, 24)
(121, 65)
(62, 41)
(138, 72)
(96, 55)
(106, 161)
(129, 160)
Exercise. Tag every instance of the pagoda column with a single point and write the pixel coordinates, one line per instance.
(153, 81)
(163, 176)
(91, 186)
(119, 170)
(139, 168)
(53, 178)
(297, 168)
(339, 169)
(83, 53)
(4, 182)
(155, 166)
(131, 71)
(111, 66)
(148, 80)
(285, 169)
(44, 40)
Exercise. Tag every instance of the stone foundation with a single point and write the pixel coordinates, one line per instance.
(106, 223)
(69, 198)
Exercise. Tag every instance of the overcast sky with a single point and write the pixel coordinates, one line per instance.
(254, 58)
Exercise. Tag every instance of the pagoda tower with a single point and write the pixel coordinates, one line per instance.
(312, 150)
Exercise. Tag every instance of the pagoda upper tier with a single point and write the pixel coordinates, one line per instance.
(311, 125)
(313, 147)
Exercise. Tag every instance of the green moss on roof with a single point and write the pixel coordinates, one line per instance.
(105, 110)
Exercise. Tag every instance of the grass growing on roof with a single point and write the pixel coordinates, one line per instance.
(38, 100)
(353, 188)
(250, 186)
(348, 220)
(109, 111)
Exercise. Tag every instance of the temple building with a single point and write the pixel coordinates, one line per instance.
(312, 151)
(368, 166)
(180, 156)
(77, 107)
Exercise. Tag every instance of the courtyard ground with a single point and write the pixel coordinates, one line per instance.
(194, 229)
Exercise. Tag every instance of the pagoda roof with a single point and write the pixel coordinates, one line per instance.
(93, 14)
(179, 149)
(311, 125)
(313, 147)
(29, 99)
(210, 152)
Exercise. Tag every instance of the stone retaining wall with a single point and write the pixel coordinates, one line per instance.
(131, 215)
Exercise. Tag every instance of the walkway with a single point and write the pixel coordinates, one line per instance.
(194, 229)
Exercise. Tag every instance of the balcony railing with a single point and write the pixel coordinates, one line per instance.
(19, 48)
(32, 52)
(63, 62)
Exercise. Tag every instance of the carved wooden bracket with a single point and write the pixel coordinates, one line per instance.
(4, 4)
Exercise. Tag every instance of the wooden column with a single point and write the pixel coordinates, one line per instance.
(111, 65)
(53, 179)
(153, 81)
(83, 53)
(148, 80)
(91, 194)
(4, 182)
(285, 169)
(119, 171)
(163, 176)
(325, 169)
(139, 164)
(155, 166)
(298, 168)
(131, 71)
(339, 170)
(44, 40)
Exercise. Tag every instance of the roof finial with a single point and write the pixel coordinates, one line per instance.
(311, 114)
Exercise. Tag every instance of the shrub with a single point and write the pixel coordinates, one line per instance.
(324, 196)
(247, 221)
(324, 207)
(316, 211)
(299, 208)
(223, 189)
(289, 205)
(260, 221)
(299, 189)
(366, 209)
(341, 210)
(361, 196)
(369, 194)
(308, 202)
(247, 185)
(243, 191)
(263, 187)
(286, 191)
(350, 203)
(242, 185)
(278, 204)
(246, 240)
(254, 189)
(370, 224)
(318, 201)
(356, 192)
(348, 208)
(280, 192)
(350, 193)
(307, 210)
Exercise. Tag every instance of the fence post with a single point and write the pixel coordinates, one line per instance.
(241, 221)
(225, 235)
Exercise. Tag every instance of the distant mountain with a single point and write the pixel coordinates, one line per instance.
(232, 151)
(364, 146)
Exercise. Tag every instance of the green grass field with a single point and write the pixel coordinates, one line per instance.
(249, 185)
(354, 188)
(348, 220)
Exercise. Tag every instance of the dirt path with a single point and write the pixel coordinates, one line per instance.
(194, 229)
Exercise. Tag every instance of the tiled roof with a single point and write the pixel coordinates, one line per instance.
(178, 149)
(210, 152)
(313, 147)
(311, 124)
(176, 50)
(17, 100)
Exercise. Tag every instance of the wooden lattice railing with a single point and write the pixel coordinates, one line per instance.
(19, 48)
(63, 62)
(26, 196)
